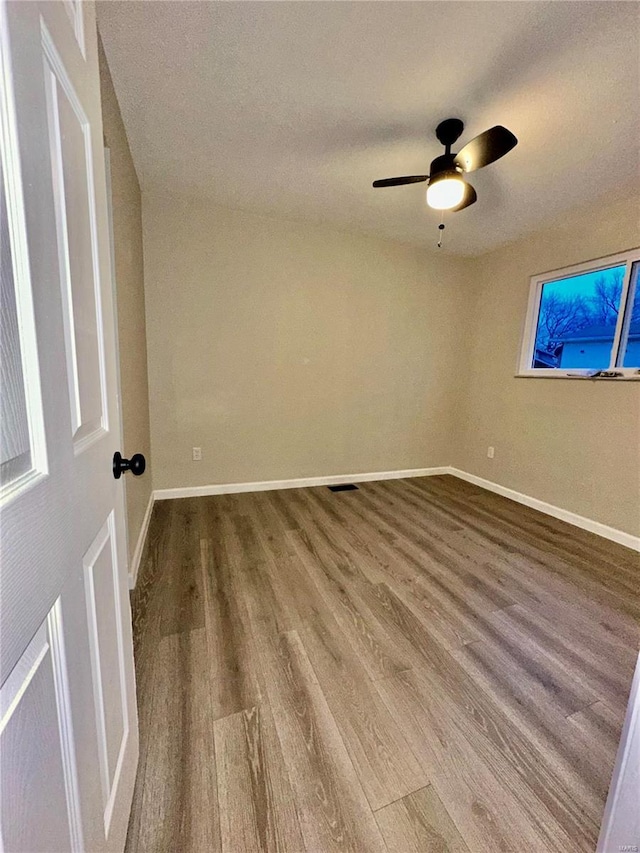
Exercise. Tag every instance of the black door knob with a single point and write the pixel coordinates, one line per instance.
(136, 465)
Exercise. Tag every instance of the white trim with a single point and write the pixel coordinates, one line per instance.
(622, 374)
(115, 781)
(65, 724)
(114, 297)
(624, 317)
(629, 375)
(619, 819)
(623, 326)
(142, 536)
(612, 533)
(303, 482)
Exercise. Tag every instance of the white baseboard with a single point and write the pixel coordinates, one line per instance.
(589, 524)
(142, 536)
(303, 482)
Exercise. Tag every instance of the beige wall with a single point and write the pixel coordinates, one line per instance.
(572, 443)
(127, 228)
(286, 350)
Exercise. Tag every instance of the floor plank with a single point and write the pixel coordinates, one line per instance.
(183, 585)
(419, 823)
(257, 809)
(364, 632)
(333, 810)
(490, 807)
(231, 656)
(386, 766)
(175, 803)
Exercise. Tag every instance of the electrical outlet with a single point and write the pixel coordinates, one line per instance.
(491, 452)
(197, 454)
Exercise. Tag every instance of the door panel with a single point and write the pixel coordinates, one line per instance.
(72, 170)
(69, 735)
(15, 439)
(36, 735)
(108, 665)
(22, 440)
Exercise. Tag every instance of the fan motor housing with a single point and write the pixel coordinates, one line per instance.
(444, 163)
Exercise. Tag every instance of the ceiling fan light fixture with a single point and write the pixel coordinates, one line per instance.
(445, 190)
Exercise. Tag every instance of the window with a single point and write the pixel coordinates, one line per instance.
(584, 319)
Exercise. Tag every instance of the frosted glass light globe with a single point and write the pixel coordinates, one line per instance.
(445, 193)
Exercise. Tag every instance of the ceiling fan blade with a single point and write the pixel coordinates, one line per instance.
(398, 182)
(486, 148)
(470, 197)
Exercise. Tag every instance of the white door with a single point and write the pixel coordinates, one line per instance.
(68, 727)
(620, 828)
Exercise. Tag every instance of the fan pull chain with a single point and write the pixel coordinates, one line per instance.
(441, 230)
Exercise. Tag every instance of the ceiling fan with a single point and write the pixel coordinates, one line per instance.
(447, 189)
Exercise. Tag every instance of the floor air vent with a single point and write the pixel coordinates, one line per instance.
(343, 487)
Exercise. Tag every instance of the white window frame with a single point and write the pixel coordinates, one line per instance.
(533, 309)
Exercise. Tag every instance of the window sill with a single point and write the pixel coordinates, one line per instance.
(582, 376)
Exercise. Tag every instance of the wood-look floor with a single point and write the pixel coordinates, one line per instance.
(418, 665)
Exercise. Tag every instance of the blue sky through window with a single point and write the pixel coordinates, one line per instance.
(577, 320)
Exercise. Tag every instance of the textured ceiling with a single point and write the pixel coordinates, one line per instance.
(293, 108)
